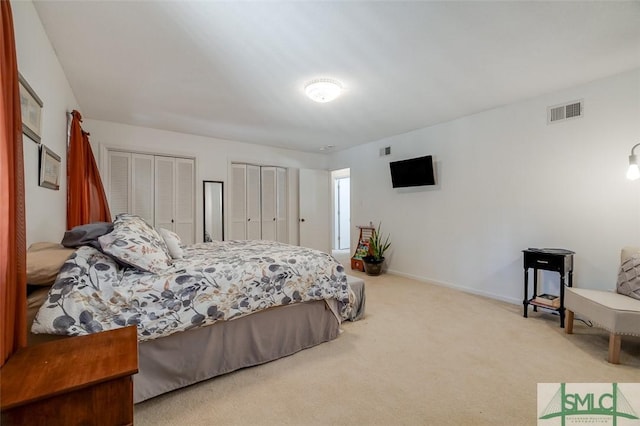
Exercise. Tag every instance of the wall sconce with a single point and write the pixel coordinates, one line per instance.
(634, 165)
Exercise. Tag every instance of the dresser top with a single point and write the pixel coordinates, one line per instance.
(64, 365)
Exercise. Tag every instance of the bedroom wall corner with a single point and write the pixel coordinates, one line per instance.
(507, 180)
(37, 62)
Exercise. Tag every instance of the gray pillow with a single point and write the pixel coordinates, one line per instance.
(86, 235)
(629, 278)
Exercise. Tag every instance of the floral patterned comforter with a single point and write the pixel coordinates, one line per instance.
(215, 281)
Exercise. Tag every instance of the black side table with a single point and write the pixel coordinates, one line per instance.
(558, 260)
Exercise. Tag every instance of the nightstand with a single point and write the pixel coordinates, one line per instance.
(557, 260)
(77, 380)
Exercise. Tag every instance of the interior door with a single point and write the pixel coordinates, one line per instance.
(315, 209)
(343, 213)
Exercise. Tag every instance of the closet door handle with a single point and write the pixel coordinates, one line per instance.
(249, 220)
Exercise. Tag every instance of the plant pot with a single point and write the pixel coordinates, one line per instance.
(372, 266)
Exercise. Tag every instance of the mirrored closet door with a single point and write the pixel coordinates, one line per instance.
(213, 193)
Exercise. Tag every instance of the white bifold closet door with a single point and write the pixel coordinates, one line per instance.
(174, 196)
(238, 195)
(157, 188)
(165, 197)
(118, 177)
(268, 203)
(185, 200)
(142, 179)
(282, 198)
(254, 231)
(130, 183)
(259, 203)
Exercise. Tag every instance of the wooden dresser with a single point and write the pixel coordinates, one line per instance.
(84, 380)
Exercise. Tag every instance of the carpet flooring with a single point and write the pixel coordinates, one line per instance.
(423, 355)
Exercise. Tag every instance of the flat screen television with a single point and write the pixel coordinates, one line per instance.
(412, 172)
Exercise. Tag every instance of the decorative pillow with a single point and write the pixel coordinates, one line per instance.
(86, 235)
(44, 261)
(172, 240)
(135, 242)
(629, 277)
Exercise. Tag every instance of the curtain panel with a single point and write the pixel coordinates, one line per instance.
(13, 270)
(86, 199)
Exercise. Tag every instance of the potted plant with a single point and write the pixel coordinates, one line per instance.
(378, 244)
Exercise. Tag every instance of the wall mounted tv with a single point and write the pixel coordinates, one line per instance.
(412, 172)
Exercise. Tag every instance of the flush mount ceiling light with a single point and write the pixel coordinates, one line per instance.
(323, 90)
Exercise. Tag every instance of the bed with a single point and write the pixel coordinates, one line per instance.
(200, 310)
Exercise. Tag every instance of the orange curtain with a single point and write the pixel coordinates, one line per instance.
(13, 270)
(86, 199)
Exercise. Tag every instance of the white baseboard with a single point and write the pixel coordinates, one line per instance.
(456, 287)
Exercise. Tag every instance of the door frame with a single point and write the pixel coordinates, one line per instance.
(335, 175)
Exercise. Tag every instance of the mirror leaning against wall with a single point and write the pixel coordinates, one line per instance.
(213, 211)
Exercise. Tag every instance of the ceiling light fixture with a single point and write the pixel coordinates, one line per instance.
(323, 90)
(633, 172)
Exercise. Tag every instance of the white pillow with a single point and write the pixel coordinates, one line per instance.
(172, 240)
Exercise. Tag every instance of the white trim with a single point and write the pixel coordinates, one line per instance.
(456, 287)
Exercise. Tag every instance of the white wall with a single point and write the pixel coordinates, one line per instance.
(213, 157)
(37, 62)
(508, 181)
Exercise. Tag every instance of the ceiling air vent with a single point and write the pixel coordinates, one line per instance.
(564, 112)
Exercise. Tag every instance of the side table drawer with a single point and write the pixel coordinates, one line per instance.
(548, 262)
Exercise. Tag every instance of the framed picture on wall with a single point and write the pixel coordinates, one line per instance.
(49, 168)
(30, 109)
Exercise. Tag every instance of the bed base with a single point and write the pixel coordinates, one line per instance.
(183, 359)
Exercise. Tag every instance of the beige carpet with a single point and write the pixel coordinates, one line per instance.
(423, 355)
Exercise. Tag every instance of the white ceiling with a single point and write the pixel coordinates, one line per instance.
(236, 70)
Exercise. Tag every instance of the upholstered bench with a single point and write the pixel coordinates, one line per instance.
(616, 313)
(357, 285)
